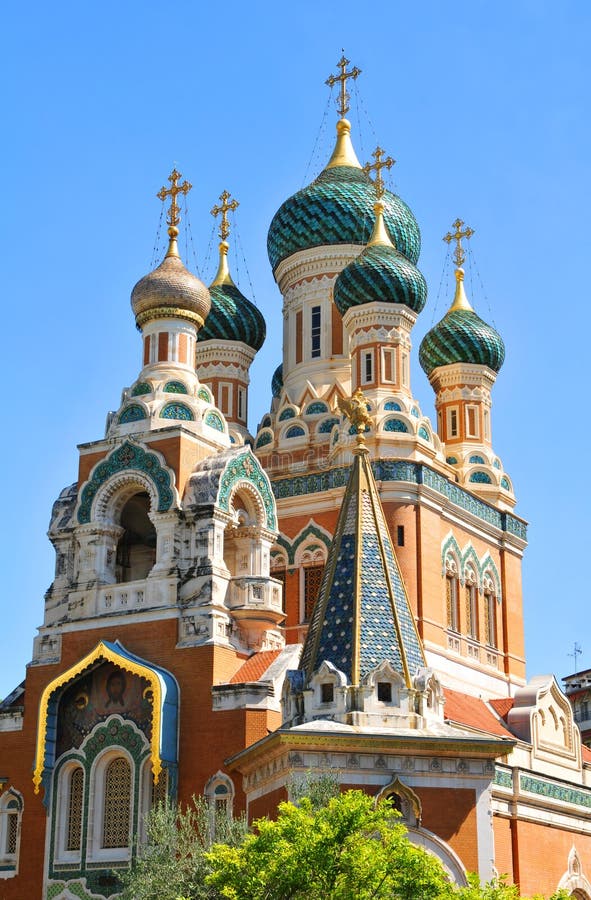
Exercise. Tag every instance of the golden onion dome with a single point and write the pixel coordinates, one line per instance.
(170, 291)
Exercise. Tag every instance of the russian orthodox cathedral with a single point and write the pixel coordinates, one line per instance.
(339, 591)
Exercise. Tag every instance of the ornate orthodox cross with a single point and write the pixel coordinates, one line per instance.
(223, 210)
(343, 101)
(173, 217)
(457, 235)
(378, 166)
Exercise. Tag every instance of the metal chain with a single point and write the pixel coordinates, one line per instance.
(444, 275)
(209, 248)
(319, 134)
(189, 231)
(156, 247)
(472, 260)
(240, 247)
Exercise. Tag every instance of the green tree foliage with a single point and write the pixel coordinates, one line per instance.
(323, 846)
(497, 889)
(318, 788)
(172, 863)
(350, 849)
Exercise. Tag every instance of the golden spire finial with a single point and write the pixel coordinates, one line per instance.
(457, 236)
(223, 273)
(460, 299)
(343, 100)
(355, 409)
(173, 217)
(378, 166)
(379, 234)
(223, 210)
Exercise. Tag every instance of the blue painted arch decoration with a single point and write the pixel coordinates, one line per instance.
(142, 387)
(177, 411)
(133, 413)
(480, 478)
(264, 438)
(394, 424)
(175, 387)
(129, 456)
(214, 420)
(295, 431)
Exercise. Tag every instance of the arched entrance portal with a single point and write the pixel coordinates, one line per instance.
(136, 548)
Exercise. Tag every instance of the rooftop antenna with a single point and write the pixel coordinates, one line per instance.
(576, 652)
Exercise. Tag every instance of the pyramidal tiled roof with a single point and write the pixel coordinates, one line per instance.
(362, 616)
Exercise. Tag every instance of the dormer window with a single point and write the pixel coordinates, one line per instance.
(384, 692)
(327, 692)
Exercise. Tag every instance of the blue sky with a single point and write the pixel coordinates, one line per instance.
(485, 108)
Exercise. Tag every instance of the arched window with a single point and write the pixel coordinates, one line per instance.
(117, 805)
(279, 571)
(136, 550)
(452, 594)
(11, 807)
(75, 794)
(312, 563)
(490, 612)
(219, 793)
(471, 592)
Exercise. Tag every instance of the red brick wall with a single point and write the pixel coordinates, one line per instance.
(451, 814)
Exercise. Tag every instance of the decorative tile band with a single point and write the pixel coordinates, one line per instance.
(554, 791)
(503, 778)
(397, 470)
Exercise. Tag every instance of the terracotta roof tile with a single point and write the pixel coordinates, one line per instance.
(502, 705)
(472, 712)
(586, 753)
(255, 666)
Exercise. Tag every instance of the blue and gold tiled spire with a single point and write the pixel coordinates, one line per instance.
(362, 617)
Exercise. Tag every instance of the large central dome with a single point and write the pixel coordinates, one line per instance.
(337, 208)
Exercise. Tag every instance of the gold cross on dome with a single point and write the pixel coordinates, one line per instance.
(457, 235)
(378, 166)
(223, 210)
(343, 101)
(173, 217)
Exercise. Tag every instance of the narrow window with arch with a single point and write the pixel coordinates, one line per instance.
(490, 614)
(75, 796)
(471, 592)
(219, 793)
(312, 581)
(11, 828)
(117, 804)
(367, 367)
(315, 331)
(10, 814)
(452, 596)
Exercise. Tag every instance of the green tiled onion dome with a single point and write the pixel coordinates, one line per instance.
(277, 380)
(461, 337)
(380, 274)
(232, 316)
(170, 291)
(337, 209)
